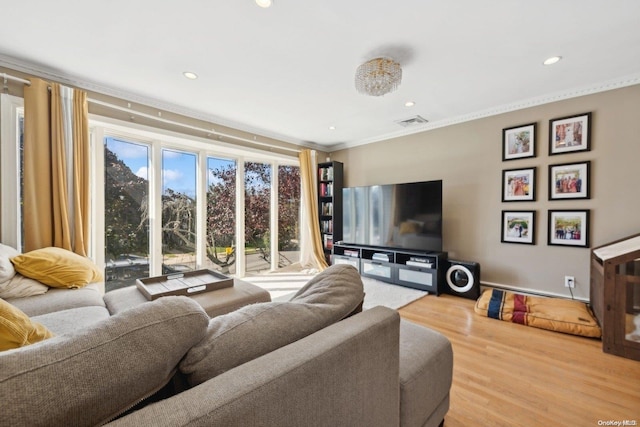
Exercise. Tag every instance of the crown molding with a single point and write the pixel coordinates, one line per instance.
(50, 74)
(618, 83)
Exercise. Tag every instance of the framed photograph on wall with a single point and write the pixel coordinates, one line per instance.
(518, 185)
(569, 181)
(519, 142)
(569, 228)
(518, 227)
(569, 134)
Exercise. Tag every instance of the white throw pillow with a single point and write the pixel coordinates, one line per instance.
(7, 271)
(12, 284)
(20, 287)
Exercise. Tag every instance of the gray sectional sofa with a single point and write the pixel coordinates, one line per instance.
(307, 362)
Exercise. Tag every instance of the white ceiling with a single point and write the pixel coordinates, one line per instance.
(287, 72)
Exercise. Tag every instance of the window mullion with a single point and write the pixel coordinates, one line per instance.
(240, 225)
(155, 209)
(274, 241)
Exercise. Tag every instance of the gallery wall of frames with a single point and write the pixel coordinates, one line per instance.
(566, 181)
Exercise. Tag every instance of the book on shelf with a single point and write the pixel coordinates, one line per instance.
(327, 208)
(354, 253)
(326, 174)
(379, 256)
(326, 226)
(328, 241)
(326, 189)
(420, 264)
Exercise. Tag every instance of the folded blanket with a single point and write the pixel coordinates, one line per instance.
(554, 314)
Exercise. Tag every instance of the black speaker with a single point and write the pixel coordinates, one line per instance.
(463, 279)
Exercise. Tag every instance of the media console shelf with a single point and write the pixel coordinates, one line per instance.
(414, 269)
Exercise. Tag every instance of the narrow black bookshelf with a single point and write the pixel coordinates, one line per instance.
(330, 183)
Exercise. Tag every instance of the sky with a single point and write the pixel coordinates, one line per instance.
(178, 167)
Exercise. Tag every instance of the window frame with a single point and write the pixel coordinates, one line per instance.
(11, 108)
(203, 148)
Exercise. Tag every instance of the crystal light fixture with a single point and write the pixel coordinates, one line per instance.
(378, 76)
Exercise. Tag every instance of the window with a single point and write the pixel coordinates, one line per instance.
(12, 139)
(166, 202)
(288, 214)
(257, 215)
(221, 215)
(179, 211)
(126, 212)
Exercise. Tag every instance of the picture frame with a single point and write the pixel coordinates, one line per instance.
(570, 134)
(519, 142)
(570, 181)
(518, 227)
(569, 227)
(519, 185)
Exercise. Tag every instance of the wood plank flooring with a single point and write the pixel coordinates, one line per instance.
(507, 374)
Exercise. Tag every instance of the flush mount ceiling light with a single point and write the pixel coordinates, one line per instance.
(190, 75)
(378, 77)
(409, 104)
(264, 3)
(552, 60)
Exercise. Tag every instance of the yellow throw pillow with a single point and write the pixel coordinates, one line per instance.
(57, 267)
(17, 330)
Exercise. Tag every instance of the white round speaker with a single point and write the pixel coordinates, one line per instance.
(460, 278)
(463, 279)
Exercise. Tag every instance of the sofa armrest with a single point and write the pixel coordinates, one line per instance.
(345, 374)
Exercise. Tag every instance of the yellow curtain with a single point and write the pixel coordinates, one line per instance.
(37, 208)
(47, 190)
(58, 190)
(81, 173)
(307, 175)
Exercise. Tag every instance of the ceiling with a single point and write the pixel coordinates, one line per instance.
(287, 72)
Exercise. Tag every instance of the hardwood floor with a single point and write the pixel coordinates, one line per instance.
(507, 374)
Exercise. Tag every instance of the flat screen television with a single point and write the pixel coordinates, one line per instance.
(406, 216)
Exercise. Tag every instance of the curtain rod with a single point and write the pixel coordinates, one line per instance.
(208, 132)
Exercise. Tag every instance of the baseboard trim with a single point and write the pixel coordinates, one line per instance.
(528, 291)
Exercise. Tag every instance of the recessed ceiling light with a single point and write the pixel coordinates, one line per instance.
(190, 75)
(409, 104)
(264, 3)
(552, 60)
(332, 128)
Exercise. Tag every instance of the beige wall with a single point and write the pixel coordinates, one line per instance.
(468, 158)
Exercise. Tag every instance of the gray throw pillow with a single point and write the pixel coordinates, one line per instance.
(254, 330)
(90, 376)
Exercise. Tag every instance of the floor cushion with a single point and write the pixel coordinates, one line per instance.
(554, 314)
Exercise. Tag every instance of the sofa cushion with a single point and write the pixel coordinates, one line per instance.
(88, 377)
(425, 381)
(257, 329)
(17, 330)
(73, 319)
(57, 267)
(57, 299)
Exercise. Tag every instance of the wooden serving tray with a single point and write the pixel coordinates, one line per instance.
(188, 283)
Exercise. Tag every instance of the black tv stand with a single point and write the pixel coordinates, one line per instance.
(422, 270)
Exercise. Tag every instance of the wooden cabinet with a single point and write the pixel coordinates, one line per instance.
(330, 183)
(615, 295)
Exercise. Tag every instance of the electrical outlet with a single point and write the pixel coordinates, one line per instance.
(569, 282)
